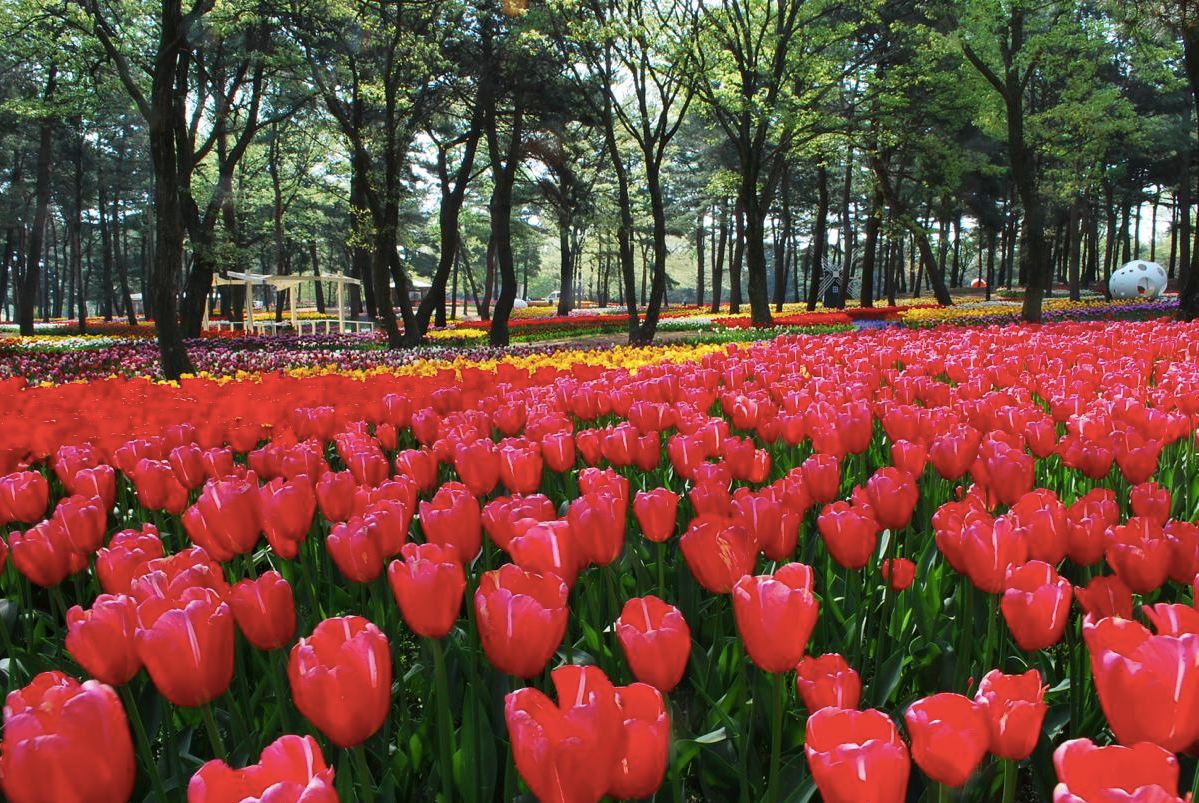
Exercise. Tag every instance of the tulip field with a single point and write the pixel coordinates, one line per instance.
(938, 563)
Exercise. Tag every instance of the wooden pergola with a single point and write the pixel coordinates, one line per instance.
(289, 282)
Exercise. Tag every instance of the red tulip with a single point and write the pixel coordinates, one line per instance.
(718, 552)
(1087, 521)
(775, 616)
(857, 756)
(187, 461)
(1183, 537)
(1172, 619)
(157, 488)
(170, 576)
(70, 460)
(639, 770)
(126, 556)
(478, 465)
(99, 482)
(389, 521)
(989, 548)
(521, 618)
(219, 463)
(656, 641)
(453, 519)
(827, 680)
(1151, 501)
(647, 453)
(43, 554)
(419, 465)
(356, 551)
(3, 554)
(1043, 520)
(303, 459)
(520, 467)
(850, 534)
(428, 586)
(909, 457)
(1137, 457)
(1105, 596)
(656, 511)
(953, 452)
(1087, 773)
(66, 742)
(1009, 472)
(899, 573)
(226, 519)
(265, 610)
(335, 495)
(1015, 708)
(102, 639)
(558, 451)
(287, 510)
(291, 768)
(341, 679)
(686, 454)
(594, 480)
(83, 522)
(893, 495)
(597, 521)
(366, 462)
(822, 476)
(549, 547)
(1148, 685)
(567, 752)
(710, 498)
(618, 444)
(1036, 605)
(186, 645)
(1140, 554)
(950, 736)
(24, 497)
(501, 515)
(771, 524)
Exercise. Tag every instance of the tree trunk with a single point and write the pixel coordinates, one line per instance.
(169, 224)
(1188, 297)
(27, 294)
(819, 238)
(360, 258)
(1074, 245)
(738, 256)
(781, 242)
(870, 248)
(722, 235)
(504, 164)
(318, 287)
(701, 267)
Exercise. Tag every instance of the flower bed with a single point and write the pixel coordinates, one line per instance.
(873, 566)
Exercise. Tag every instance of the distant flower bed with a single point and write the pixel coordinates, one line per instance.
(986, 313)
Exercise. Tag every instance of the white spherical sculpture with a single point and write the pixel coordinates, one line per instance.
(519, 303)
(1138, 279)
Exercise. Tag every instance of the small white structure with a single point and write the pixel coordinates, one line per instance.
(1138, 279)
(289, 282)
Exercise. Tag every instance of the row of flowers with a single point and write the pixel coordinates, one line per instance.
(989, 313)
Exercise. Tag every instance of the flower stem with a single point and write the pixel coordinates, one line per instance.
(445, 724)
(143, 742)
(1010, 781)
(366, 781)
(214, 733)
(776, 736)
